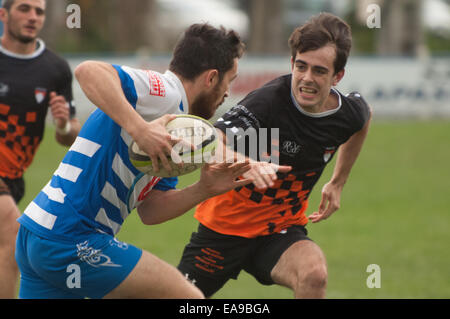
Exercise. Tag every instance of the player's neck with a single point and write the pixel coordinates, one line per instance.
(191, 88)
(330, 103)
(16, 46)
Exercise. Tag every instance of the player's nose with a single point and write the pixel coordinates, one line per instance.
(308, 76)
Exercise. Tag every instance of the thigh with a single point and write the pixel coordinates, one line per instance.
(8, 222)
(211, 259)
(154, 278)
(8, 209)
(4, 189)
(269, 249)
(297, 263)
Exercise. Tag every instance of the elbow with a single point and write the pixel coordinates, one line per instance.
(148, 219)
(80, 70)
(83, 69)
(149, 222)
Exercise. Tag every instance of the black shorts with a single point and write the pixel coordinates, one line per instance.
(211, 258)
(14, 187)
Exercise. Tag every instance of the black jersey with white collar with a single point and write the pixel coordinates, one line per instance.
(25, 85)
(287, 135)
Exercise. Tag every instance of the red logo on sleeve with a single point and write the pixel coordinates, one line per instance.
(146, 190)
(156, 84)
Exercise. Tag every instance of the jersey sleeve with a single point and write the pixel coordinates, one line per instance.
(149, 92)
(360, 109)
(65, 87)
(238, 117)
(166, 184)
(242, 123)
(258, 109)
(128, 85)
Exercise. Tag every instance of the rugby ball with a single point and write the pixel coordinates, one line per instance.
(190, 128)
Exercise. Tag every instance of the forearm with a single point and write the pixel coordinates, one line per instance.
(68, 138)
(162, 206)
(101, 84)
(347, 155)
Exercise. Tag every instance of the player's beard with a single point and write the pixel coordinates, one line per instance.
(206, 104)
(15, 34)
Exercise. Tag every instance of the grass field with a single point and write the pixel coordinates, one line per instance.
(395, 212)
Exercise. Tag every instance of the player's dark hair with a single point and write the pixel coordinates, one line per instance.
(319, 31)
(7, 4)
(204, 47)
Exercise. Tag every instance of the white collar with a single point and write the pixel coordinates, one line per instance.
(180, 87)
(321, 114)
(40, 48)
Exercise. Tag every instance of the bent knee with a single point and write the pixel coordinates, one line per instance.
(196, 294)
(314, 277)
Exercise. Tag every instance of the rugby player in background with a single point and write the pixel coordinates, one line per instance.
(33, 80)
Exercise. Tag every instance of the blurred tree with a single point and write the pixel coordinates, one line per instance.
(266, 27)
(402, 32)
(55, 22)
(133, 25)
(106, 25)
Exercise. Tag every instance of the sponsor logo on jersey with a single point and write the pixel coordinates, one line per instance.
(156, 84)
(290, 148)
(40, 94)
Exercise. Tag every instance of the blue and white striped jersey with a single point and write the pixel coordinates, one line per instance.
(96, 187)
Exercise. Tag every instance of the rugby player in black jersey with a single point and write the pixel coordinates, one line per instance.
(260, 228)
(33, 80)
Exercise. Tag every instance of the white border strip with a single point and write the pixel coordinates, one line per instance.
(54, 194)
(40, 216)
(103, 219)
(110, 194)
(85, 147)
(68, 172)
(122, 171)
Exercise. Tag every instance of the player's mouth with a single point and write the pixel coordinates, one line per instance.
(307, 92)
(30, 28)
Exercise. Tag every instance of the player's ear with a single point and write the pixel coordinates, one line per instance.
(212, 76)
(338, 77)
(3, 14)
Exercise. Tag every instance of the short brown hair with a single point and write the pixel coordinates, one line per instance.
(205, 47)
(7, 4)
(319, 31)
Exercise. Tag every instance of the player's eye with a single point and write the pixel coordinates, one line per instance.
(23, 8)
(40, 12)
(320, 71)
